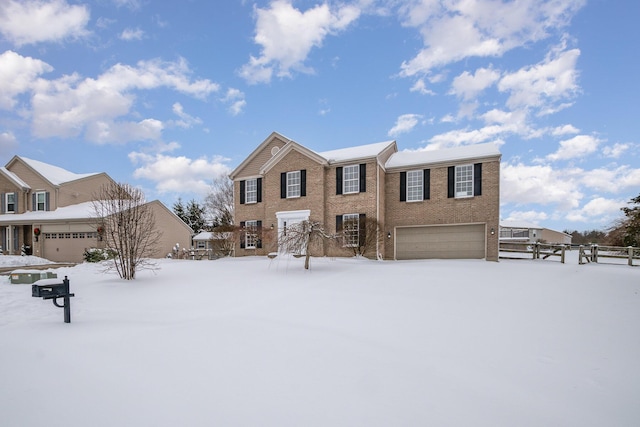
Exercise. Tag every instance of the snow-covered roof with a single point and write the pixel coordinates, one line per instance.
(208, 235)
(13, 177)
(407, 158)
(54, 174)
(79, 211)
(355, 153)
(520, 224)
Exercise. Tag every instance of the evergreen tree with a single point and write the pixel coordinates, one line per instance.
(195, 214)
(178, 209)
(632, 223)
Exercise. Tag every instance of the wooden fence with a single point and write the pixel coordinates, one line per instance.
(537, 250)
(593, 253)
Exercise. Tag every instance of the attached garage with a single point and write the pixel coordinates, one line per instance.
(441, 241)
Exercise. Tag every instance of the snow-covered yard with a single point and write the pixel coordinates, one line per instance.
(260, 342)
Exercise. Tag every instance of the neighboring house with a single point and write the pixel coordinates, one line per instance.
(525, 232)
(47, 211)
(213, 243)
(428, 204)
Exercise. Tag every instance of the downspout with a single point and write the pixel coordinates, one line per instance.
(377, 209)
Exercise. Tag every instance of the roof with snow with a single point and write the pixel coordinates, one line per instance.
(14, 178)
(356, 153)
(74, 212)
(54, 174)
(408, 158)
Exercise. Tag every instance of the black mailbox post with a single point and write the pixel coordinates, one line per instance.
(53, 291)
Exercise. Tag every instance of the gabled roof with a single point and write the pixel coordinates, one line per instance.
(14, 178)
(80, 211)
(360, 152)
(289, 147)
(257, 151)
(54, 174)
(403, 159)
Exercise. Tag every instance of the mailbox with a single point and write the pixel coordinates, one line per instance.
(49, 289)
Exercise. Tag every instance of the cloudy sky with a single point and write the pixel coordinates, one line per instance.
(169, 95)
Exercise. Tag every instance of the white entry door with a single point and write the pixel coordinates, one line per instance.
(287, 220)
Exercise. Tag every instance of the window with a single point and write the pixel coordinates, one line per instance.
(350, 229)
(40, 203)
(10, 202)
(464, 181)
(251, 191)
(251, 234)
(293, 184)
(351, 179)
(414, 185)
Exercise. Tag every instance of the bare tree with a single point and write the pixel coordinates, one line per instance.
(302, 238)
(127, 225)
(219, 201)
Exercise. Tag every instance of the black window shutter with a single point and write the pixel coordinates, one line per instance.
(477, 179)
(339, 180)
(15, 199)
(283, 185)
(303, 183)
(46, 201)
(338, 223)
(34, 207)
(362, 229)
(451, 182)
(403, 186)
(259, 238)
(259, 190)
(363, 177)
(242, 235)
(426, 184)
(2, 206)
(242, 189)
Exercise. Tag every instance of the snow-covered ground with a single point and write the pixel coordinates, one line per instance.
(260, 342)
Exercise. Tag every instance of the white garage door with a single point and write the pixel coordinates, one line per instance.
(441, 241)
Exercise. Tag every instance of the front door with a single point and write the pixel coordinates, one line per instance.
(287, 221)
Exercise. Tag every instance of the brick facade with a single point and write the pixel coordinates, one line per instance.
(380, 202)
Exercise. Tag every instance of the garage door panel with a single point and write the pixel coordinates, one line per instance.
(448, 242)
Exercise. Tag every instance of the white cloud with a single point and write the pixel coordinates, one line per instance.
(34, 21)
(175, 174)
(564, 130)
(287, 35)
(453, 31)
(132, 34)
(576, 147)
(459, 137)
(18, 75)
(186, 121)
(600, 208)
(468, 86)
(615, 150)
(535, 217)
(543, 85)
(405, 123)
(235, 99)
(421, 87)
(612, 180)
(522, 184)
(71, 105)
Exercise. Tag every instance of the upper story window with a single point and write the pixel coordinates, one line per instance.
(10, 202)
(414, 185)
(351, 179)
(464, 181)
(40, 201)
(293, 184)
(251, 191)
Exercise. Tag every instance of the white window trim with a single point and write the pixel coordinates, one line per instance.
(420, 174)
(346, 218)
(251, 234)
(254, 192)
(44, 201)
(294, 188)
(6, 203)
(468, 193)
(355, 180)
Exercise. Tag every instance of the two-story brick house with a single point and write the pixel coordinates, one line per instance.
(428, 204)
(47, 211)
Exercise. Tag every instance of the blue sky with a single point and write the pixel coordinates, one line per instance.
(169, 95)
